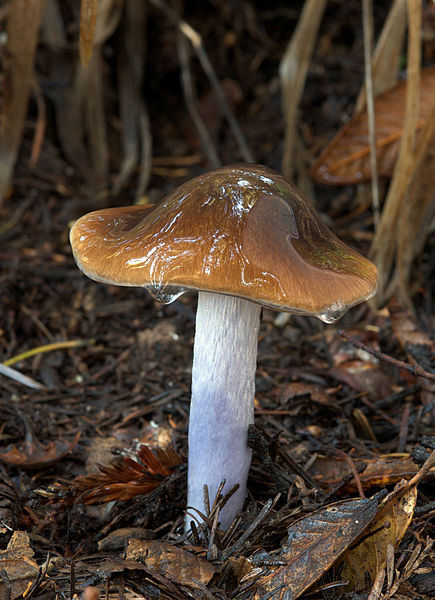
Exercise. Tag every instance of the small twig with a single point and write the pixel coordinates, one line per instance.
(414, 370)
(146, 152)
(427, 466)
(354, 470)
(41, 122)
(368, 42)
(403, 435)
(112, 365)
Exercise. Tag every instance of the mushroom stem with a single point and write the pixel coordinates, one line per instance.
(222, 405)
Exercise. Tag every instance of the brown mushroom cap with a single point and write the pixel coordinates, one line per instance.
(242, 230)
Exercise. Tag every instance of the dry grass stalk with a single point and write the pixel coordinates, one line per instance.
(88, 21)
(22, 34)
(387, 53)
(136, 136)
(197, 44)
(368, 43)
(385, 239)
(415, 215)
(189, 97)
(293, 71)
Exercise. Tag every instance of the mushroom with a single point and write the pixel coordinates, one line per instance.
(244, 237)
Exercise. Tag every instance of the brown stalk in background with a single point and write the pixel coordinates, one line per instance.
(387, 53)
(384, 243)
(293, 71)
(88, 21)
(368, 43)
(22, 34)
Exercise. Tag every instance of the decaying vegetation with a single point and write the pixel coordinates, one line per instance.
(117, 102)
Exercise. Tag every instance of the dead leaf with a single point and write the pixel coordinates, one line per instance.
(16, 565)
(363, 376)
(314, 543)
(176, 564)
(346, 159)
(407, 331)
(361, 564)
(116, 540)
(378, 472)
(298, 388)
(18, 547)
(38, 456)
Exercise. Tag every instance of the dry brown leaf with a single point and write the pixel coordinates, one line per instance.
(299, 388)
(346, 159)
(17, 566)
(18, 547)
(360, 565)
(88, 21)
(379, 472)
(363, 376)
(176, 564)
(416, 343)
(314, 544)
(36, 455)
(406, 329)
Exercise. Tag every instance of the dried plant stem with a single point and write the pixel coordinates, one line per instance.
(196, 40)
(189, 96)
(368, 43)
(88, 21)
(22, 36)
(416, 214)
(384, 242)
(387, 53)
(293, 72)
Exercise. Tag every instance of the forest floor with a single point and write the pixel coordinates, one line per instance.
(342, 411)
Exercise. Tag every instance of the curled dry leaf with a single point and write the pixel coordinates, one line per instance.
(361, 564)
(176, 564)
(346, 159)
(37, 456)
(314, 543)
(379, 472)
(127, 478)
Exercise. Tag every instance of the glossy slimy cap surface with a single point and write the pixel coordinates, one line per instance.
(242, 230)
